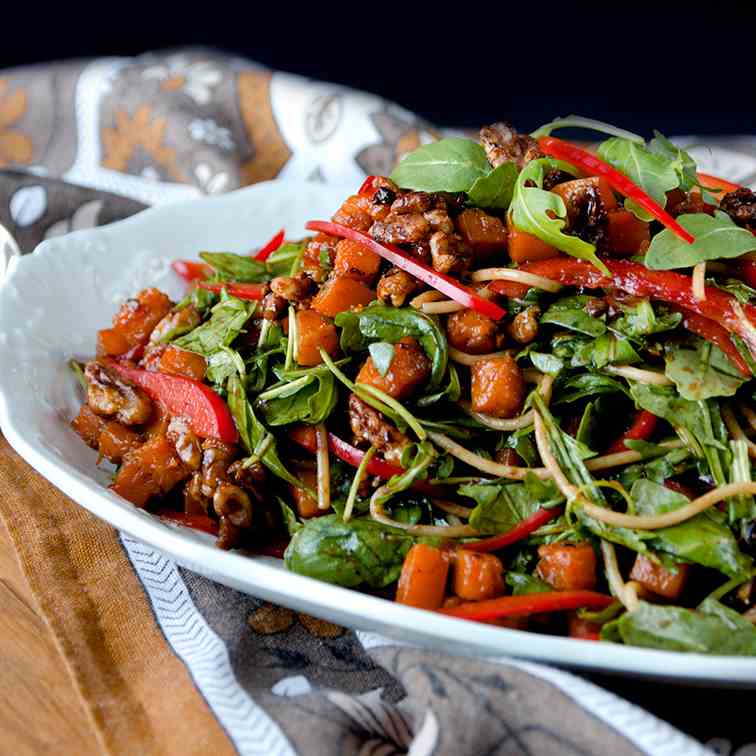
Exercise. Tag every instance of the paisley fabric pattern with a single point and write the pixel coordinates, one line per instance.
(87, 143)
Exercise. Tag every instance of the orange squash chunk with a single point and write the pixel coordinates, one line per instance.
(305, 503)
(409, 368)
(116, 441)
(524, 247)
(627, 234)
(422, 582)
(497, 387)
(315, 332)
(182, 362)
(658, 579)
(567, 567)
(478, 576)
(356, 261)
(485, 234)
(340, 293)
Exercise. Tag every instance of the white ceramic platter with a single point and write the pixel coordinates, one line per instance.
(51, 304)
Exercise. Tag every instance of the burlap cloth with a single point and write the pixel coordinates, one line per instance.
(166, 661)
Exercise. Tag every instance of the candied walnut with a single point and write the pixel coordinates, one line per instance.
(400, 229)
(412, 202)
(471, 332)
(395, 286)
(503, 144)
(740, 205)
(109, 395)
(250, 477)
(354, 213)
(187, 445)
(293, 288)
(448, 253)
(369, 426)
(524, 327)
(439, 220)
(273, 306)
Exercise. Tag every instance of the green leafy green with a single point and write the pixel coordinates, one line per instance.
(252, 431)
(587, 384)
(580, 122)
(543, 214)
(285, 260)
(502, 506)
(494, 190)
(451, 393)
(226, 322)
(716, 238)
(640, 319)
(379, 322)
(423, 455)
(521, 584)
(704, 539)
(223, 363)
(289, 517)
(382, 354)
(609, 349)
(701, 369)
(546, 363)
(654, 173)
(311, 401)
(682, 163)
(201, 299)
(712, 629)
(740, 508)
(449, 165)
(570, 312)
(351, 554)
(232, 267)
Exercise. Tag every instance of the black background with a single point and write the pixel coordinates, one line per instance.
(682, 68)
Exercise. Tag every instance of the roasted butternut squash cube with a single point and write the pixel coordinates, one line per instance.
(567, 567)
(340, 293)
(497, 387)
(658, 579)
(315, 332)
(478, 576)
(408, 369)
(183, 362)
(356, 261)
(524, 247)
(485, 234)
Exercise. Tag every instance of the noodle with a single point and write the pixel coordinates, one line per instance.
(623, 458)
(637, 374)
(622, 591)
(519, 276)
(442, 308)
(452, 508)
(463, 358)
(324, 468)
(427, 296)
(699, 281)
(734, 427)
(544, 449)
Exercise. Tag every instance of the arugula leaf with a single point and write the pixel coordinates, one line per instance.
(382, 354)
(588, 384)
(289, 517)
(223, 363)
(666, 465)
(544, 214)
(640, 319)
(226, 322)
(451, 393)
(740, 508)
(712, 629)
(312, 401)
(682, 163)
(521, 583)
(495, 189)
(704, 539)
(449, 165)
(570, 312)
(546, 363)
(285, 260)
(580, 122)
(232, 267)
(252, 431)
(350, 554)
(654, 173)
(609, 349)
(500, 507)
(201, 299)
(701, 369)
(378, 322)
(716, 238)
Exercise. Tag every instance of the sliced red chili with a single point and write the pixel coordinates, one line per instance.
(641, 429)
(595, 166)
(518, 533)
(531, 603)
(268, 249)
(367, 189)
(207, 414)
(249, 291)
(191, 270)
(443, 283)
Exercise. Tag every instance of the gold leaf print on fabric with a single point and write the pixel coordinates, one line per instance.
(15, 146)
(269, 619)
(269, 151)
(142, 130)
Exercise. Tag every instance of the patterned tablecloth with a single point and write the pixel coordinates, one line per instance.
(166, 660)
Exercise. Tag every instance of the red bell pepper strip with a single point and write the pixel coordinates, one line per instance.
(518, 533)
(191, 270)
(664, 285)
(641, 429)
(353, 456)
(249, 291)
(207, 414)
(194, 521)
(531, 603)
(445, 284)
(711, 331)
(716, 184)
(267, 250)
(367, 189)
(595, 166)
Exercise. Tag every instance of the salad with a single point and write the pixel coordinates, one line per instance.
(512, 382)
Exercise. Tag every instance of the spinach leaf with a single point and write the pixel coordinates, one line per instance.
(449, 165)
(712, 629)
(666, 465)
(654, 173)
(716, 238)
(451, 393)
(740, 508)
(226, 322)
(521, 583)
(640, 319)
(544, 214)
(609, 349)
(232, 267)
(378, 322)
(202, 299)
(223, 363)
(570, 312)
(252, 431)
(587, 384)
(502, 506)
(311, 401)
(546, 363)
(350, 554)
(701, 369)
(285, 260)
(681, 162)
(494, 190)
(382, 353)
(704, 539)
